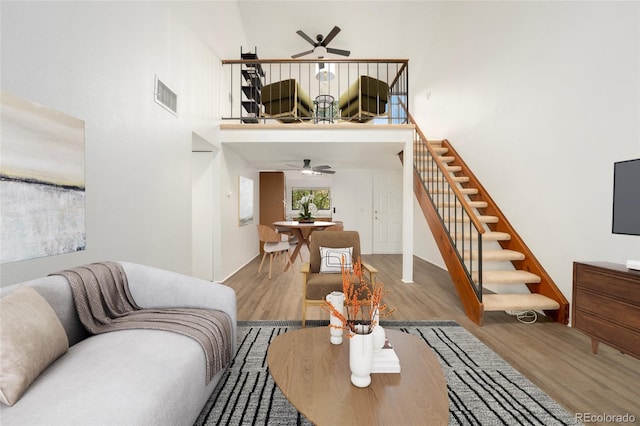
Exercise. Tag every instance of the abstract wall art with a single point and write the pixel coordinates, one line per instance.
(42, 181)
(245, 201)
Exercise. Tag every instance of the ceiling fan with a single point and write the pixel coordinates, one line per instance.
(321, 42)
(317, 170)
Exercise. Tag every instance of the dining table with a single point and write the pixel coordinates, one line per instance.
(302, 231)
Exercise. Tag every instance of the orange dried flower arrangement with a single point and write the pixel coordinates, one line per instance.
(362, 301)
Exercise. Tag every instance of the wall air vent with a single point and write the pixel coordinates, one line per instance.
(166, 97)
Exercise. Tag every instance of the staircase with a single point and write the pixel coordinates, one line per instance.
(489, 263)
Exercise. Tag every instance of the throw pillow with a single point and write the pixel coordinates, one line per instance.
(331, 259)
(31, 338)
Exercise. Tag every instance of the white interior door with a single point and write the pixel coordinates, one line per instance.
(387, 212)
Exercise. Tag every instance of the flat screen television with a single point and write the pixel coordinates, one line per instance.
(626, 197)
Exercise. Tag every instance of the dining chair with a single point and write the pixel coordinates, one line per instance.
(317, 282)
(274, 244)
(293, 240)
(339, 226)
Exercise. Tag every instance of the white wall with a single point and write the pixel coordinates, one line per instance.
(540, 98)
(202, 213)
(96, 61)
(240, 244)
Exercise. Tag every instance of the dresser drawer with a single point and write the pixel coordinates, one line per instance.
(613, 310)
(622, 338)
(619, 287)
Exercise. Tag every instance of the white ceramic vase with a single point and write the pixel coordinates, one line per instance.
(379, 336)
(336, 299)
(361, 359)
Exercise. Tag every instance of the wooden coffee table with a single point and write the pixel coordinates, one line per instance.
(314, 375)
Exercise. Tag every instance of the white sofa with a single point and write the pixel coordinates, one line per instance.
(131, 377)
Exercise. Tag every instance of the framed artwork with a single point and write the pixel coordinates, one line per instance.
(245, 200)
(42, 183)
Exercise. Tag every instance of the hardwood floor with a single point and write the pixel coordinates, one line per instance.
(556, 358)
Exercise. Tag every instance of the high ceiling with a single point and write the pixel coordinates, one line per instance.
(369, 29)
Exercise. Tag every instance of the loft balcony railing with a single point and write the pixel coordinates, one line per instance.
(316, 91)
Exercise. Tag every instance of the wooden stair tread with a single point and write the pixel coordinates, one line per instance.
(420, 153)
(496, 236)
(481, 218)
(450, 169)
(468, 191)
(518, 302)
(459, 179)
(487, 236)
(419, 147)
(474, 204)
(507, 277)
(493, 255)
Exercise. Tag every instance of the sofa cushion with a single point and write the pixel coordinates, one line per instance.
(365, 98)
(367, 105)
(319, 285)
(282, 98)
(31, 337)
(332, 239)
(331, 259)
(365, 86)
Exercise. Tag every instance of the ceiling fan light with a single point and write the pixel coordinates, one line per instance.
(309, 172)
(326, 73)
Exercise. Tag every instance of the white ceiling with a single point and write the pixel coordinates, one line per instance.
(369, 29)
(340, 156)
(397, 29)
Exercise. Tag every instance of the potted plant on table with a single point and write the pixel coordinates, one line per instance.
(307, 209)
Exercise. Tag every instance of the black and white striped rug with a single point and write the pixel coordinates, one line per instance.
(483, 388)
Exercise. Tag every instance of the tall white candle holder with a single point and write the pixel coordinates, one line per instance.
(336, 299)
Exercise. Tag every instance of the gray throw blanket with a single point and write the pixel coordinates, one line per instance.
(104, 303)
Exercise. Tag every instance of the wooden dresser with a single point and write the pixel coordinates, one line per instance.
(606, 305)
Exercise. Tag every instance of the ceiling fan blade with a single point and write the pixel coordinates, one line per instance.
(322, 167)
(306, 37)
(334, 32)
(297, 167)
(302, 54)
(338, 51)
(329, 172)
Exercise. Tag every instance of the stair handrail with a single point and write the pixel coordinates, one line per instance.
(446, 195)
(463, 201)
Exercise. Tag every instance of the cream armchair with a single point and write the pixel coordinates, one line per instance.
(316, 285)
